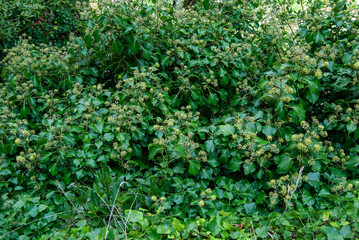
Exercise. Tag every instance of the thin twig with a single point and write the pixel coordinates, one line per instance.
(296, 185)
(113, 207)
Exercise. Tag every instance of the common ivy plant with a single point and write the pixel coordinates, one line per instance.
(235, 119)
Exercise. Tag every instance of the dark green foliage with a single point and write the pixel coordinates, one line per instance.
(223, 120)
(44, 21)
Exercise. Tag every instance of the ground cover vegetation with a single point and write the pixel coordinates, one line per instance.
(217, 120)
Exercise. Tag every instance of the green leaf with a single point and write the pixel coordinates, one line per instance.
(285, 164)
(69, 139)
(347, 58)
(98, 127)
(351, 127)
(326, 216)
(353, 163)
(213, 162)
(346, 232)
(109, 137)
(88, 40)
(299, 112)
(313, 179)
(226, 130)
(249, 168)
(209, 145)
(177, 225)
(165, 61)
(312, 96)
(228, 195)
(194, 167)
(195, 94)
(33, 211)
(318, 37)
(269, 130)
(249, 208)
(262, 232)
(181, 151)
(77, 129)
(154, 149)
(117, 47)
(206, 173)
(98, 143)
(214, 226)
(24, 111)
(96, 200)
(53, 169)
(134, 216)
(134, 47)
(121, 137)
(235, 164)
(213, 99)
(163, 229)
(307, 198)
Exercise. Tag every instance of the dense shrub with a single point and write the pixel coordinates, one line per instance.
(229, 120)
(44, 21)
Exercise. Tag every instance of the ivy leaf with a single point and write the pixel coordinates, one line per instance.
(53, 169)
(165, 61)
(299, 111)
(109, 137)
(226, 130)
(209, 145)
(269, 130)
(356, 134)
(77, 129)
(154, 149)
(69, 139)
(351, 127)
(353, 163)
(249, 168)
(33, 211)
(318, 37)
(194, 167)
(346, 232)
(134, 47)
(98, 127)
(24, 111)
(213, 99)
(235, 164)
(312, 95)
(307, 198)
(249, 208)
(134, 216)
(96, 200)
(214, 226)
(181, 151)
(88, 40)
(262, 232)
(206, 173)
(313, 179)
(117, 47)
(285, 164)
(347, 58)
(177, 225)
